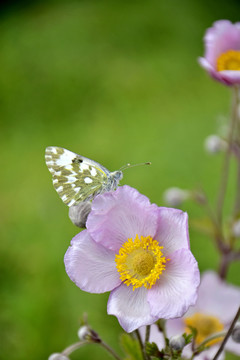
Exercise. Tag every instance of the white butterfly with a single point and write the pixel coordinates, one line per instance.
(77, 178)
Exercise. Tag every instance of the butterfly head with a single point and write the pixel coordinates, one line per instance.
(116, 177)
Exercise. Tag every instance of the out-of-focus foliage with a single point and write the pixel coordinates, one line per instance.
(117, 82)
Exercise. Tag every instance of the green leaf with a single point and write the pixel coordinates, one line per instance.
(152, 349)
(131, 347)
(188, 338)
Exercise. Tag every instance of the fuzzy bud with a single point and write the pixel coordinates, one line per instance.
(236, 228)
(78, 213)
(236, 333)
(214, 144)
(58, 356)
(175, 196)
(177, 342)
(85, 333)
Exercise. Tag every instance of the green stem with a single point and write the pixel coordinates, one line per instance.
(110, 350)
(225, 170)
(210, 338)
(75, 346)
(140, 343)
(70, 349)
(236, 210)
(237, 140)
(147, 336)
(229, 332)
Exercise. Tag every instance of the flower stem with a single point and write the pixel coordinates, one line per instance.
(229, 332)
(210, 338)
(110, 350)
(70, 349)
(147, 335)
(140, 343)
(237, 141)
(225, 170)
(75, 346)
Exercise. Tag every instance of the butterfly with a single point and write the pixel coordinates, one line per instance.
(77, 178)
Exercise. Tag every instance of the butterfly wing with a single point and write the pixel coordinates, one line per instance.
(75, 177)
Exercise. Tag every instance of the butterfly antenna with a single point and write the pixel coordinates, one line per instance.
(132, 165)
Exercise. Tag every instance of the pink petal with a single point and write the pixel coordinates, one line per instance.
(172, 231)
(223, 36)
(130, 307)
(217, 297)
(119, 215)
(176, 288)
(233, 347)
(91, 266)
(230, 76)
(205, 355)
(213, 72)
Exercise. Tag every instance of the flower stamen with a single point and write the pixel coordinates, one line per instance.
(229, 60)
(205, 325)
(140, 262)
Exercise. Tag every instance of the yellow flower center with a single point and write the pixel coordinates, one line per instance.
(140, 262)
(230, 60)
(205, 325)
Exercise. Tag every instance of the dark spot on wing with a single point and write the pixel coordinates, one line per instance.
(77, 161)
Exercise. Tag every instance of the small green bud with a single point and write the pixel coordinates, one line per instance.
(236, 333)
(177, 342)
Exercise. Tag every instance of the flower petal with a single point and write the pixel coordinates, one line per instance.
(213, 72)
(176, 289)
(212, 289)
(232, 346)
(172, 231)
(205, 355)
(222, 36)
(119, 215)
(230, 76)
(130, 307)
(91, 266)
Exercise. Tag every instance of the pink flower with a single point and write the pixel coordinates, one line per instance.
(214, 311)
(140, 253)
(222, 52)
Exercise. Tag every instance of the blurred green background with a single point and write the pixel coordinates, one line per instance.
(118, 82)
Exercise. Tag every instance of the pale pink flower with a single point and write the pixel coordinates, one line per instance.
(138, 251)
(222, 52)
(214, 311)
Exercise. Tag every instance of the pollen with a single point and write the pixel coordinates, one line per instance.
(140, 262)
(205, 325)
(229, 60)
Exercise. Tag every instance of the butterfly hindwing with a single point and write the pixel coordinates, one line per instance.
(75, 177)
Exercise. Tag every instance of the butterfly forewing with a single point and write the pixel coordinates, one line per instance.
(75, 177)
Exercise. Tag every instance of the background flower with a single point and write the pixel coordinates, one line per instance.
(140, 253)
(222, 52)
(215, 308)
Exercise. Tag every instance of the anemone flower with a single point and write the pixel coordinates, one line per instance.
(213, 312)
(138, 251)
(222, 52)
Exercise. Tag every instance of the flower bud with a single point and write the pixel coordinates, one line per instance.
(236, 333)
(78, 213)
(175, 196)
(85, 333)
(58, 356)
(236, 228)
(177, 342)
(214, 144)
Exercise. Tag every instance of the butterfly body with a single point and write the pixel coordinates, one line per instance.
(77, 178)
